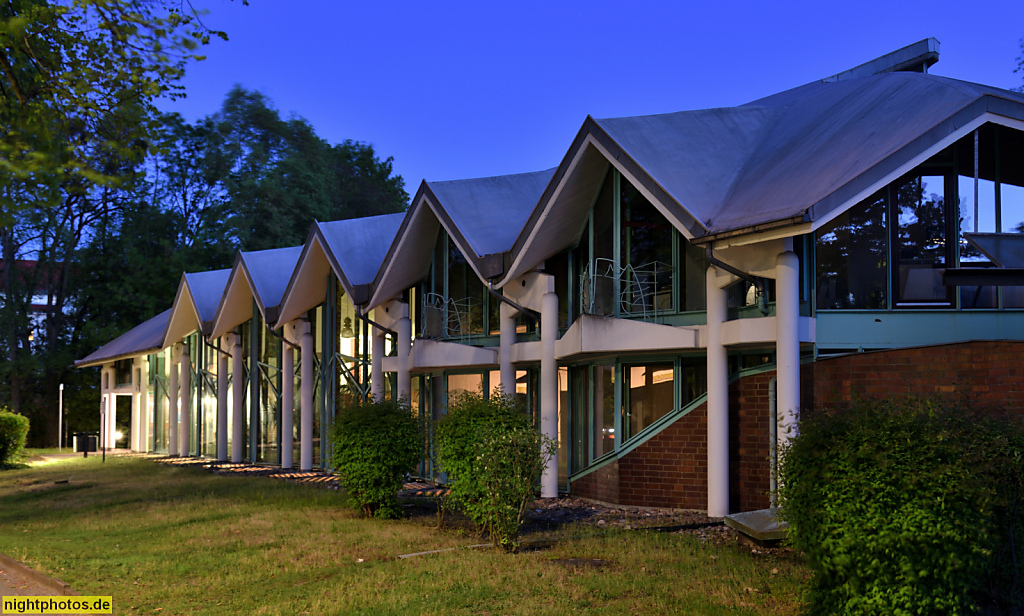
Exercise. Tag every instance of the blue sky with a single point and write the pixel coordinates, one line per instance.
(457, 90)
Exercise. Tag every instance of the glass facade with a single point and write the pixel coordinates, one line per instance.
(630, 261)
(610, 403)
(891, 250)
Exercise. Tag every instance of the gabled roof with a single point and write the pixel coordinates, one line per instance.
(261, 275)
(483, 216)
(352, 249)
(195, 304)
(142, 339)
(800, 156)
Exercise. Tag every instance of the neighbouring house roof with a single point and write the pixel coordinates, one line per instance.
(142, 339)
(260, 275)
(483, 216)
(352, 249)
(195, 304)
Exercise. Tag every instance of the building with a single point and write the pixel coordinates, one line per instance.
(670, 296)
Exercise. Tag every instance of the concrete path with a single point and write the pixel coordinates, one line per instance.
(18, 580)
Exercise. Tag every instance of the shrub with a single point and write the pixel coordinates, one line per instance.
(13, 432)
(374, 446)
(493, 456)
(906, 507)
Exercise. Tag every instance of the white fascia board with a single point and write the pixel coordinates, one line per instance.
(301, 293)
(184, 318)
(236, 305)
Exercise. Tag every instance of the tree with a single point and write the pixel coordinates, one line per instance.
(78, 81)
(67, 70)
(278, 176)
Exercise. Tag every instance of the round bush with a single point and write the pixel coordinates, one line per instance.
(906, 507)
(374, 446)
(13, 433)
(493, 456)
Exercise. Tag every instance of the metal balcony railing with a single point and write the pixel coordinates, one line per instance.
(642, 291)
(447, 318)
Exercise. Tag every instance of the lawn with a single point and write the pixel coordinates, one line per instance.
(163, 540)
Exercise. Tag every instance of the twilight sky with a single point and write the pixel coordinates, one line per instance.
(465, 89)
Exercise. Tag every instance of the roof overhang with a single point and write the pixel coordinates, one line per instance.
(307, 288)
(558, 220)
(985, 109)
(408, 259)
(236, 304)
(184, 318)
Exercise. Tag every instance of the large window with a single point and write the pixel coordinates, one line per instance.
(853, 254)
(891, 250)
(921, 246)
(614, 402)
(631, 262)
(453, 302)
(649, 394)
(990, 183)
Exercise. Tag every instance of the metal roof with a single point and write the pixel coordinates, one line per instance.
(483, 216)
(142, 339)
(262, 275)
(490, 212)
(352, 249)
(195, 304)
(358, 245)
(786, 159)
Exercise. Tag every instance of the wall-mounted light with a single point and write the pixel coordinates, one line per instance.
(346, 328)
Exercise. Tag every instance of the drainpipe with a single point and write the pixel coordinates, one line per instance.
(754, 280)
(533, 315)
(773, 447)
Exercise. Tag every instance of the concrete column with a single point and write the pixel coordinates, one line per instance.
(507, 337)
(306, 397)
(172, 402)
(222, 400)
(787, 350)
(405, 355)
(185, 429)
(377, 363)
(548, 389)
(237, 399)
(288, 398)
(718, 399)
(136, 414)
(145, 412)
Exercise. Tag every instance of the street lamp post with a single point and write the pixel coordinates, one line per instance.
(60, 416)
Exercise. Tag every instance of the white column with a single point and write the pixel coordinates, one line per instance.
(172, 402)
(405, 355)
(145, 412)
(222, 399)
(376, 363)
(237, 399)
(185, 429)
(787, 350)
(288, 397)
(507, 337)
(718, 399)
(548, 389)
(136, 415)
(306, 398)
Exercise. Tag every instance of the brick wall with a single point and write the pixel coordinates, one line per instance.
(670, 469)
(989, 372)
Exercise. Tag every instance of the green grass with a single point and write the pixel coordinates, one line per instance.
(170, 540)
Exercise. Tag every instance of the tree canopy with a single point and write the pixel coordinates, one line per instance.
(104, 201)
